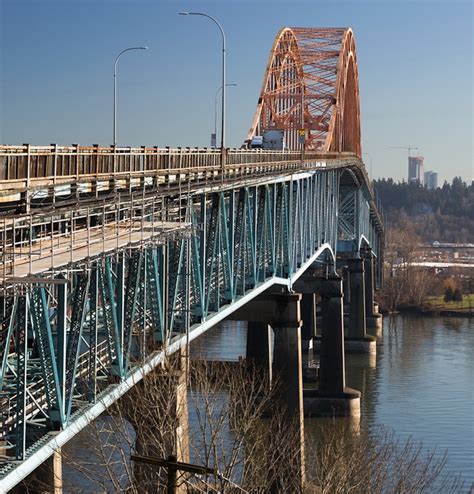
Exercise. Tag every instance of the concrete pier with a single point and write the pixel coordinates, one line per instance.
(259, 347)
(373, 318)
(282, 312)
(357, 340)
(167, 434)
(308, 336)
(332, 398)
(287, 366)
(47, 478)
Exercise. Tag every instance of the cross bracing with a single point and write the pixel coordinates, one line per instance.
(113, 258)
(143, 273)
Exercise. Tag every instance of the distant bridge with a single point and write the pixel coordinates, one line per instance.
(113, 258)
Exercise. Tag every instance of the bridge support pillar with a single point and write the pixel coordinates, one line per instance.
(357, 340)
(163, 431)
(332, 398)
(287, 366)
(259, 347)
(308, 336)
(374, 319)
(47, 478)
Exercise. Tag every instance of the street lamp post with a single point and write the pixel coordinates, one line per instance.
(223, 85)
(215, 108)
(115, 86)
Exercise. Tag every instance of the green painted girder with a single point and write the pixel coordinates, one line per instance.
(21, 349)
(239, 239)
(175, 290)
(109, 317)
(75, 337)
(198, 264)
(7, 338)
(131, 302)
(93, 329)
(154, 293)
(44, 342)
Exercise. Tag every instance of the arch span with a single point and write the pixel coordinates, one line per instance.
(311, 82)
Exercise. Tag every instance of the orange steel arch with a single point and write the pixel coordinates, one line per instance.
(311, 82)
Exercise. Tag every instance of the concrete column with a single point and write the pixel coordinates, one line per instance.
(167, 433)
(287, 366)
(374, 319)
(308, 336)
(332, 398)
(369, 283)
(48, 478)
(259, 346)
(308, 313)
(357, 321)
(358, 341)
(332, 377)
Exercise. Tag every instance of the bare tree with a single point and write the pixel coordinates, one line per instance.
(405, 283)
(232, 422)
(347, 462)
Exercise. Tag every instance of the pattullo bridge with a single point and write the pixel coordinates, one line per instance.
(114, 258)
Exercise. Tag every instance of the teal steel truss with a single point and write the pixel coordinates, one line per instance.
(66, 339)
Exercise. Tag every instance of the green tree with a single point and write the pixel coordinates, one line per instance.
(449, 294)
(457, 295)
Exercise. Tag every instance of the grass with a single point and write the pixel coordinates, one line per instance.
(440, 304)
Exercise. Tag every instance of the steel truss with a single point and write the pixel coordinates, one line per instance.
(311, 90)
(67, 338)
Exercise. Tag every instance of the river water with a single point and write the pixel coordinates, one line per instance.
(420, 384)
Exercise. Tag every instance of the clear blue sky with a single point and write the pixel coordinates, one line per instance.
(56, 57)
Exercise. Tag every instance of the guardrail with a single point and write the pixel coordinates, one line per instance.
(27, 162)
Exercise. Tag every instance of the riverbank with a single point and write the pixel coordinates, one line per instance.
(436, 306)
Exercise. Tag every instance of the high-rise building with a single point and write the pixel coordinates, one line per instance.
(431, 179)
(415, 169)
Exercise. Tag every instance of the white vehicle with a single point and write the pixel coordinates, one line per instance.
(256, 142)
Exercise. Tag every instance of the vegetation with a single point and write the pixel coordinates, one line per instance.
(252, 454)
(361, 462)
(445, 214)
(405, 284)
(222, 424)
(439, 303)
(416, 215)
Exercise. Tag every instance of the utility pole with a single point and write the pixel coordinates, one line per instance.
(172, 466)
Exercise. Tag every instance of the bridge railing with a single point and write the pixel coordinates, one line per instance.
(32, 162)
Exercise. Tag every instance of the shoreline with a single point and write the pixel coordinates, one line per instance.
(430, 312)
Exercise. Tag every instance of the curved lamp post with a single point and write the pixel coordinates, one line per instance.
(215, 107)
(223, 85)
(115, 86)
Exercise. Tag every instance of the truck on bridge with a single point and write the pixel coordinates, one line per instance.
(269, 140)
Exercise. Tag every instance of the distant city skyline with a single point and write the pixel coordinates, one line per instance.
(57, 58)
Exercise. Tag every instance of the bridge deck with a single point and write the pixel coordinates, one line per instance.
(61, 250)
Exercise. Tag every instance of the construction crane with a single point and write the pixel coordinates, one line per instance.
(404, 147)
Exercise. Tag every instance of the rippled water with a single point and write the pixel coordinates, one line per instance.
(420, 384)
